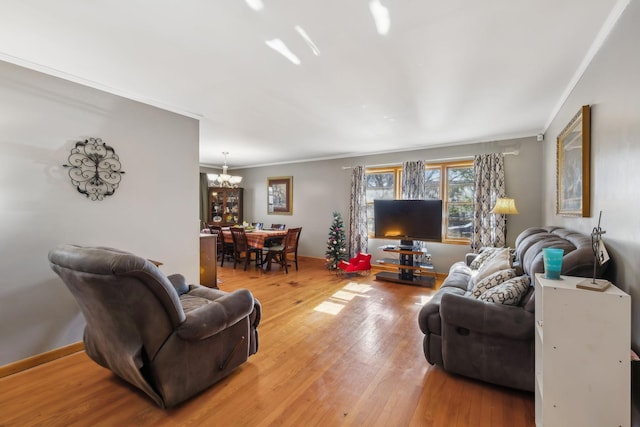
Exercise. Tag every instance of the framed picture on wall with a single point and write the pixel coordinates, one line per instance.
(574, 161)
(280, 195)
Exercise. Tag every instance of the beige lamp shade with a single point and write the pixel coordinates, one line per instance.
(505, 206)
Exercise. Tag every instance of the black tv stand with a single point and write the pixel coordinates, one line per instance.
(406, 245)
(408, 272)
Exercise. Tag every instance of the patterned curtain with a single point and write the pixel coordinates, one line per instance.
(488, 229)
(413, 187)
(358, 236)
(204, 199)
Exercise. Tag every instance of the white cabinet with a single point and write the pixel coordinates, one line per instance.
(582, 355)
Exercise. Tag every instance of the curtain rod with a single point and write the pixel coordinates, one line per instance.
(448, 159)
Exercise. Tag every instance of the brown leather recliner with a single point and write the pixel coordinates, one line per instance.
(166, 337)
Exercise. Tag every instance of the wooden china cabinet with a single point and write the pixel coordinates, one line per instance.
(225, 206)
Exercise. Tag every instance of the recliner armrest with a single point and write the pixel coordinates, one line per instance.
(487, 318)
(179, 283)
(216, 316)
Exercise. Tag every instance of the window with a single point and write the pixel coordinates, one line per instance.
(433, 182)
(453, 180)
(458, 205)
(382, 184)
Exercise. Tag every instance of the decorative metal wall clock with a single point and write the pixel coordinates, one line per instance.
(94, 168)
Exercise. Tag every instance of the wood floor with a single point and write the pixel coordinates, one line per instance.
(333, 351)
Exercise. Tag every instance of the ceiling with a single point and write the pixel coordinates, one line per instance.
(446, 72)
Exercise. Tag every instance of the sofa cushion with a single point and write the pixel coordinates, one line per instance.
(578, 259)
(484, 256)
(509, 292)
(499, 261)
(492, 281)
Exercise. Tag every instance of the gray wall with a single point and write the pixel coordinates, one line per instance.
(322, 187)
(154, 213)
(611, 85)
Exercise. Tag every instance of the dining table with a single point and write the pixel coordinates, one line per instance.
(257, 238)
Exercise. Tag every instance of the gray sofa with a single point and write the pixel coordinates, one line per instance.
(490, 341)
(168, 338)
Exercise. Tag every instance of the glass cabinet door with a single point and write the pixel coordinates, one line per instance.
(225, 206)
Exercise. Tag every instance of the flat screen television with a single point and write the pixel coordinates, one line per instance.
(408, 220)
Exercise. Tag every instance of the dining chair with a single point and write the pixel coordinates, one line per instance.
(288, 246)
(258, 225)
(217, 230)
(241, 249)
(225, 246)
(278, 226)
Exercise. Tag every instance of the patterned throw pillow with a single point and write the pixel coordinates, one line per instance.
(492, 281)
(484, 255)
(509, 292)
(499, 261)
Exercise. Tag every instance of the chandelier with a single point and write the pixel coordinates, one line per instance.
(224, 179)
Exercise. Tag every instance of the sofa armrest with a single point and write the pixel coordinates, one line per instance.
(209, 319)
(486, 318)
(427, 310)
(469, 257)
(429, 315)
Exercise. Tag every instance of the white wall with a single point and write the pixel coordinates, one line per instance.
(611, 85)
(154, 212)
(322, 187)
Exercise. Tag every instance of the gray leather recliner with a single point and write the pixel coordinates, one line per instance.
(166, 337)
(494, 342)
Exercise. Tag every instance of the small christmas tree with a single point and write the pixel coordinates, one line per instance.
(336, 246)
